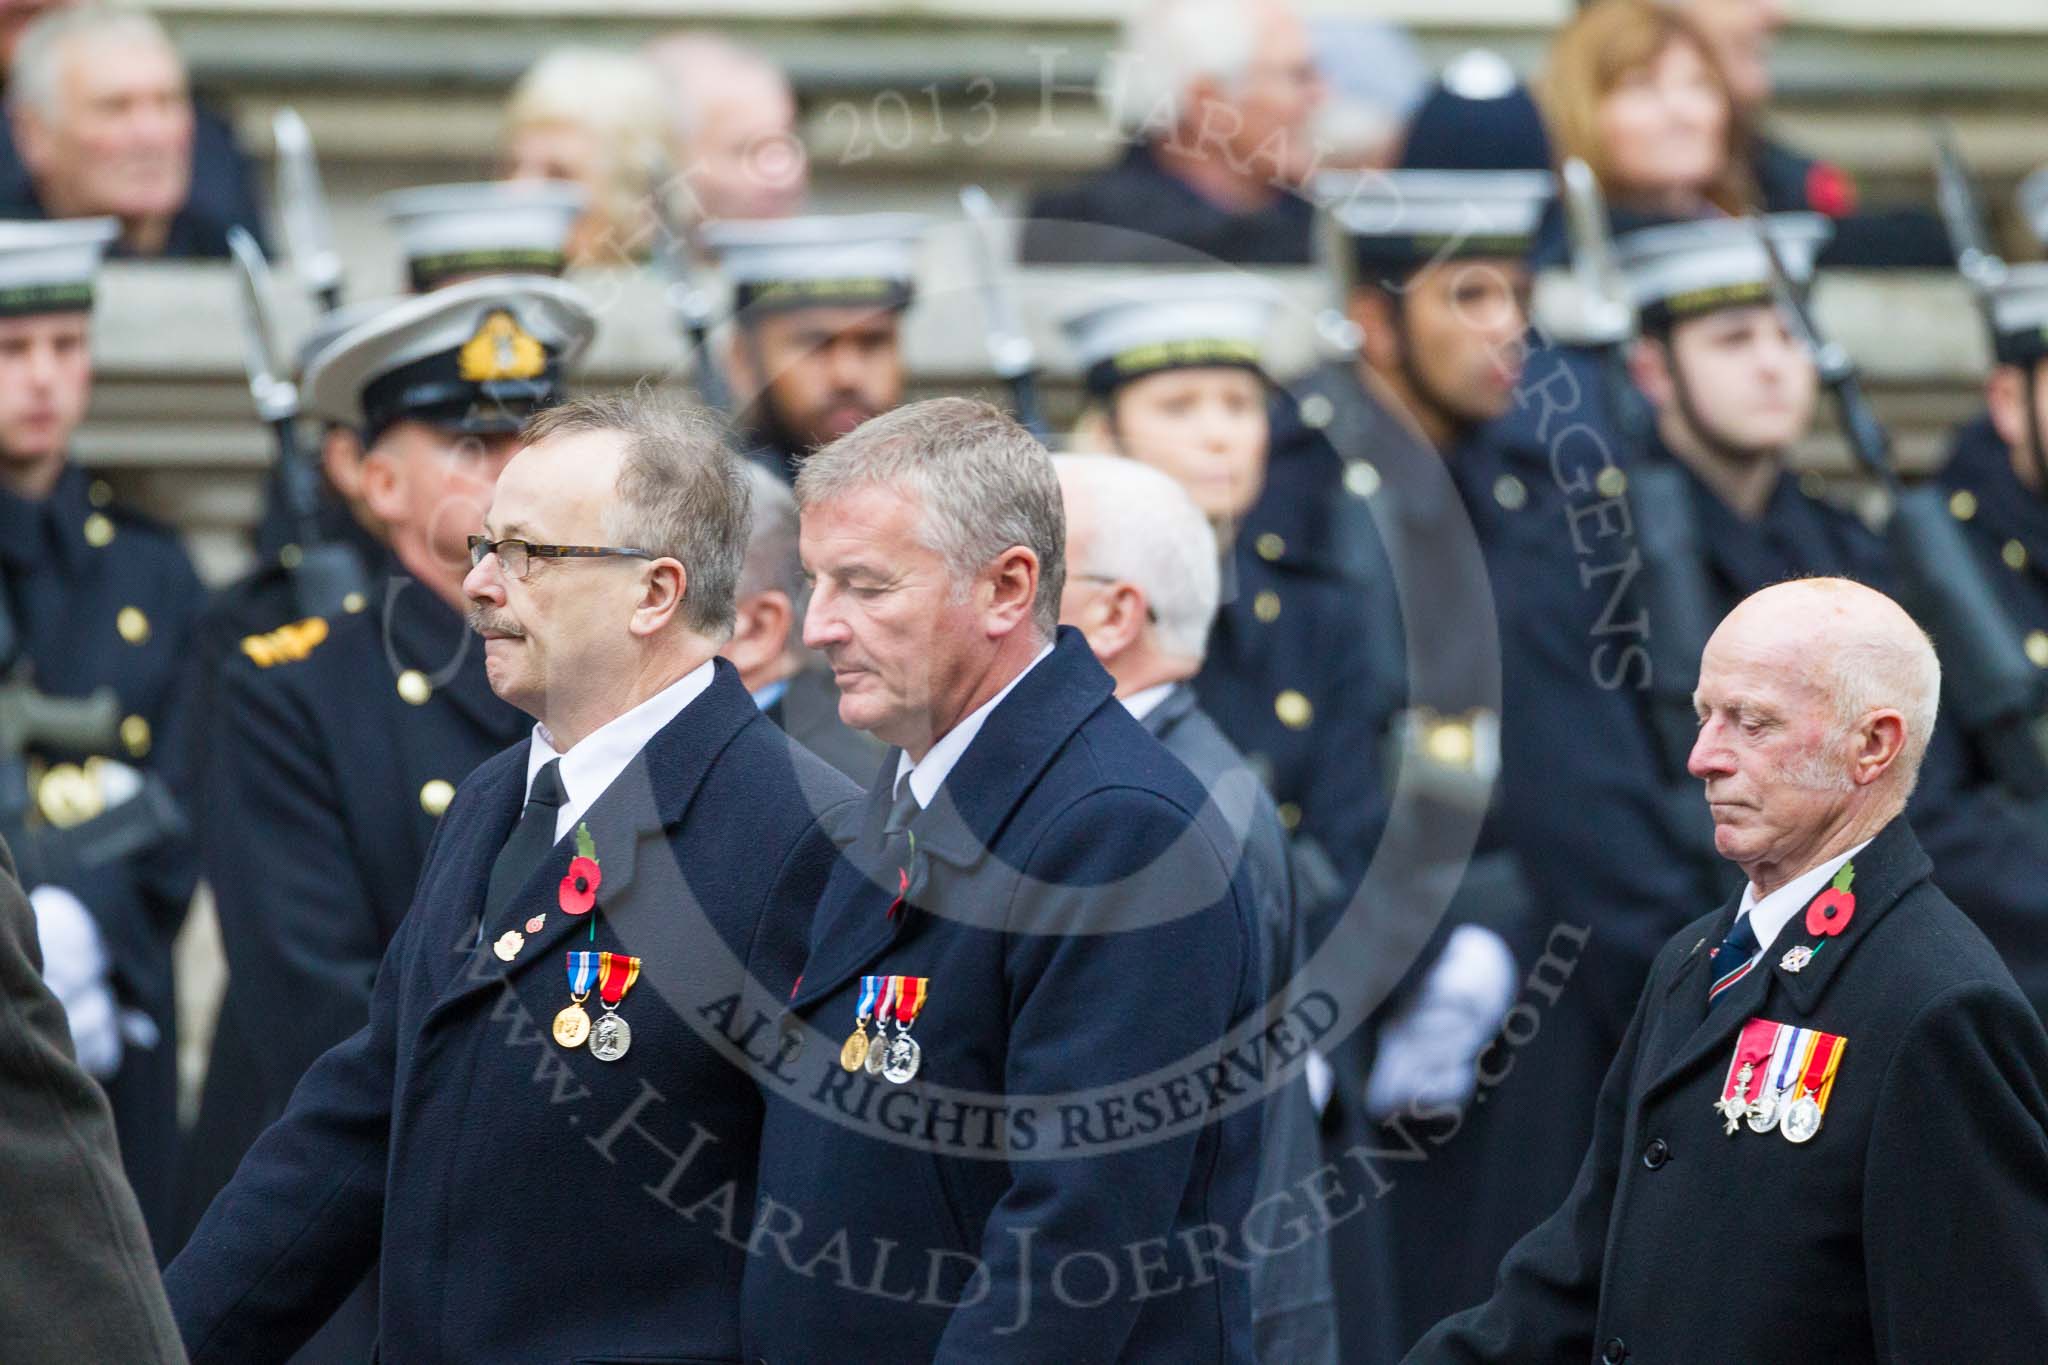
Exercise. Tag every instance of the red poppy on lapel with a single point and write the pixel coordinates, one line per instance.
(1831, 910)
(579, 887)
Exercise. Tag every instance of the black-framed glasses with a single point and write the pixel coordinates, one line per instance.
(515, 557)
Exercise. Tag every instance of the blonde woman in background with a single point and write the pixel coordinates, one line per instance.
(596, 119)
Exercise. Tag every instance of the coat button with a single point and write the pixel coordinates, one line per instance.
(1656, 1153)
(414, 688)
(1614, 1352)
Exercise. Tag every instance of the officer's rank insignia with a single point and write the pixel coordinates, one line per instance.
(501, 349)
(1780, 1077)
(286, 644)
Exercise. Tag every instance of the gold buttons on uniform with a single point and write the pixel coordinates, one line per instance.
(1610, 482)
(1266, 606)
(133, 625)
(2037, 647)
(99, 493)
(1812, 484)
(414, 687)
(1270, 546)
(68, 795)
(353, 603)
(1962, 504)
(99, 531)
(290, 556)
(435, 796)
(1290, 815)
(135, 736)
(1361, 479)
(1293, 709)
(1317, 411)
(1509, 492)
(1451, 743)
(2015, 555)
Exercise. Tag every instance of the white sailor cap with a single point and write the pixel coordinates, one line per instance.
(1398, 220)
(2019, 314)
(330, 326)
(491, 227)
(1683, 269)
(855, 260)
(1142, 326)
(479, 356)
(49, 267)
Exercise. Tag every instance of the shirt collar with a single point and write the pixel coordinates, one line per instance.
(927, 776)
(1769, 916)
(1144, 702)
(768, 694)
(591, 766)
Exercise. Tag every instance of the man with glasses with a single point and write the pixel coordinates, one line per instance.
(541, 1179)
(337, 744)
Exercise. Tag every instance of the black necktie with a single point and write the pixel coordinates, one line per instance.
(532, 839)
(902, 810)
(1731, 961)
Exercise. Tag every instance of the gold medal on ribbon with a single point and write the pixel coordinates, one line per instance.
(572, 1025)
(854, 1053)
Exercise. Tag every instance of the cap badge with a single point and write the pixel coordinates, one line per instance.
(501, 349)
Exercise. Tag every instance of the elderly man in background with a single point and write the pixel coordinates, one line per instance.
(655, 828)
(786, 681)
(1217, 98)
(1142, 585)
(596, 120)
(1045, 901)
(734, 125)
(1826, 1136)
(103, 123)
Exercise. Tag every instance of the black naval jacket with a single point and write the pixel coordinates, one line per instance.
(1039, 992)
(102, 597)
(529, 1200)
(1909, 1228)
(808, 712)
(333, 768)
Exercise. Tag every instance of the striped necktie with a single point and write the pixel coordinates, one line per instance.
(1733, 959)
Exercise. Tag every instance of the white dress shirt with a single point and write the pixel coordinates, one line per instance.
(1144, 702)
(591, 766)
(1769, 916)
(929, 774)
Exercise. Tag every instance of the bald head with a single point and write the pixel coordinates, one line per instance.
(1816, 701)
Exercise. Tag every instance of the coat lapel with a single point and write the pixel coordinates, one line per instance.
(628, 823)
(956, 832)
(1890, 866)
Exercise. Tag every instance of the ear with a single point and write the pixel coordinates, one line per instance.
(382, 484)
(1879, 740)
(1011, 588)
(341, 459)
(760, 633)
(662, 584)
(1649, 368)
(1372, 312)
(2005, 393)
(1119, 621)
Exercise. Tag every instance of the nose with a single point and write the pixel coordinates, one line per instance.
(822, 623)
(483, 584)
(843, 364)
(1710, 757)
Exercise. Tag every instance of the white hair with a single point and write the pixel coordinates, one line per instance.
(773, 563)
(1147, 531)
(35, 77)
(1895, 668)
(614, 95)
(1166, 46)
(698, 67)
